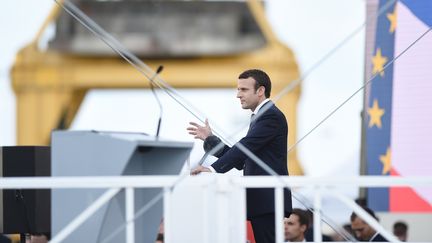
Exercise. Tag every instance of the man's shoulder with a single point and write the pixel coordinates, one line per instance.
(273, 115)
(379, 238)
(272, 109)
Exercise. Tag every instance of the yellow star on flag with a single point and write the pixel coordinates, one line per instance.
(392, 17)
(378, 62)
(375, 114)
(386, 161)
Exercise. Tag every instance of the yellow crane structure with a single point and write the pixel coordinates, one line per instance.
(51, 84)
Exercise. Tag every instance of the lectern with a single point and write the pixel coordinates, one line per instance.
(94, 153)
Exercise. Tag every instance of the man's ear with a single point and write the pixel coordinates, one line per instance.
(303, 228)
(261, 90)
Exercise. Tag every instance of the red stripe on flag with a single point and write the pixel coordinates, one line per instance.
(405, 199)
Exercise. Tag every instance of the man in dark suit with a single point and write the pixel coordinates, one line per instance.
(266, 138)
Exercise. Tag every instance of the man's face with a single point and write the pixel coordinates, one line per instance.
(249, 97)
(361, 229)
(294, 231)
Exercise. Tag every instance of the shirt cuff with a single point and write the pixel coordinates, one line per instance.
(212, 169)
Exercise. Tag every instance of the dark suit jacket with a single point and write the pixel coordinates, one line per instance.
(378, 238)
(267, 139)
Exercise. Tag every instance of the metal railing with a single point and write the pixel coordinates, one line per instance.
(114, 184)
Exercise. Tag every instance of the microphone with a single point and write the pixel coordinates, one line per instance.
(158, 71)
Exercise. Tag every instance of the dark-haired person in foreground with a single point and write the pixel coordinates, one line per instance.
(400, 230)
(266, 138)
(363, 231)
(296, 226)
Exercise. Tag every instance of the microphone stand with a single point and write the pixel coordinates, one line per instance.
(158, 71)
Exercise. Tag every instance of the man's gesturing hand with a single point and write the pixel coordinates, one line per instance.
(200, 132)
(200, 169)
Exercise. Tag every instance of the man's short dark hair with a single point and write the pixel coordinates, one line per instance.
(302, 215)
(368, 210)
(261, 79)
(400, 228)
